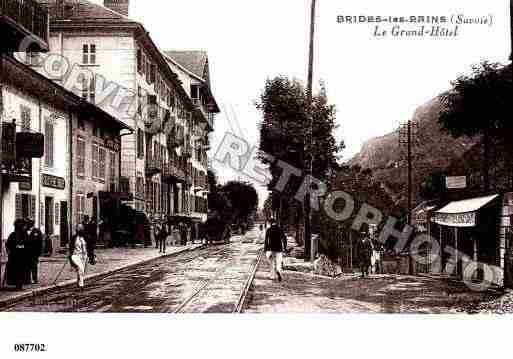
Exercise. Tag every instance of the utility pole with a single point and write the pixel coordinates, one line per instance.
(1, 174)
(309, 158)
(511, 24)
(407, 135)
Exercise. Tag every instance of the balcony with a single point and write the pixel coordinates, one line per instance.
(23, 19)
(153, 166)
(173, 173)
(209, 117)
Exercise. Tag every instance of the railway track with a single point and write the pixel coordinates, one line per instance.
(214, 278)
(204, 287)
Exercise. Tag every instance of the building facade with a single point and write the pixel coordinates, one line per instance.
(192, 68)
(112, 62)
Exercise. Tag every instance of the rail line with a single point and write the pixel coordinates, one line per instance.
(204, 287)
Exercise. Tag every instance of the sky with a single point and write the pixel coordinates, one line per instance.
(376, 83)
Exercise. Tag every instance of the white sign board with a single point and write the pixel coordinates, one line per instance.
(456, 182)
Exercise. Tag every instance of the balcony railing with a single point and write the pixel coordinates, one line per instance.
(209, 117)
(28, 14)
(153, 166)
(173, 172)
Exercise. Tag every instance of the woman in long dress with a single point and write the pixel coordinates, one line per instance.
(78, 254)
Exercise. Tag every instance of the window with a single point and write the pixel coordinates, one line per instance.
(25, 206)
(171, 99)
(152, 99)
(102, 154)
(95, 161)
(113, 166)
(49, 147)
(139, 60)
(139, 185)
(99, 158)
(140, 144)
(81, 154)
(152, 73)
(80, 205)
(148, 72)
(194, 92)
(25, 118)
(89, 88)
(89, 54)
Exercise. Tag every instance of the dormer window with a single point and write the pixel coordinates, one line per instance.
(89, 54)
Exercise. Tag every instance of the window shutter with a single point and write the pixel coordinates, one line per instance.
(101, 163)
(139, 60)
(18, 212)
(50, 220)
(42, 212)
(33, 207)
(92, 58)
(85, 54)
(57, 213)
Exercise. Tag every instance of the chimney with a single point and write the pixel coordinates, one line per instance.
(119, 6)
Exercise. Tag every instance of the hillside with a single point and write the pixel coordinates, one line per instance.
(433, 150)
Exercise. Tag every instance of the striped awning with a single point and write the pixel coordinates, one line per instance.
(462, 213)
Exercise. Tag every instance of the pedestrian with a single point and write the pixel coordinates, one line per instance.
(275, 245)
(78, 254)
(156, 233)
(261, 235)
(91, 239)
(183, 233)
(365, 253)
(35, 248)
(18, 270)
(163, 238)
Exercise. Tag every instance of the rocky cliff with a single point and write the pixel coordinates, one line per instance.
(433, 150)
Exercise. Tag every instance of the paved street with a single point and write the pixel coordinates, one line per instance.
(52, 270)
(305, 293)
(209, 279)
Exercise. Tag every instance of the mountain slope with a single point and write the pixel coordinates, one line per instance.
(433, 150)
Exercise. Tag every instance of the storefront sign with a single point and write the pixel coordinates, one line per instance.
(30, 145)
(459, 182)
(53, 181)
(456, 219)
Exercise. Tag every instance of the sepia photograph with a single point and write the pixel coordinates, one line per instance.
(282, 166)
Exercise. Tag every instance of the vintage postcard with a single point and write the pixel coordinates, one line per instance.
(242, 157)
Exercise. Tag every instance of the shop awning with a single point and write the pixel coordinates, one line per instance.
(462, 213)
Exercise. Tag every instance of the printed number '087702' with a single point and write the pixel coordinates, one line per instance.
(30, 347)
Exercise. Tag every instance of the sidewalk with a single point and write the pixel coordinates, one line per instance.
(108, 261)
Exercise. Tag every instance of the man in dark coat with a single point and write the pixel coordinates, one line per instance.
(275, 245)
(17, 271)
(90, 238)
(163, 237)
(35, 248)
(365, 253)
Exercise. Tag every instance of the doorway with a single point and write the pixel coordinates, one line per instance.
(64, 229)
(48, 216)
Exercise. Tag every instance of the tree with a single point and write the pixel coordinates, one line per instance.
(243, 198)
(480, 104)
(283, 133)
(434, 186)
(212, 181)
